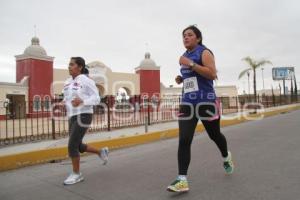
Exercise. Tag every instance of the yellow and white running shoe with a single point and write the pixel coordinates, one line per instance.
(179, 186)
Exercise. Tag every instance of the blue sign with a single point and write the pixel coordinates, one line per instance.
(283, 73)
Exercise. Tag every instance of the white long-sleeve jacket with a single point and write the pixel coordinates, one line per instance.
(85, 89)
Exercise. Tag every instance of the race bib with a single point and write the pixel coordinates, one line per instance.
(190, 85)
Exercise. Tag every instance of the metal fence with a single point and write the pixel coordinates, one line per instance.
(22, 122)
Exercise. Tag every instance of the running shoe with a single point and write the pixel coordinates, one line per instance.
(228, 164)
(103, 154)
(73, 178)
(179, 186)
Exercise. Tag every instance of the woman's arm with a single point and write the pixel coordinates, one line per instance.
(208, 70)
(94, 97)
(93, 94)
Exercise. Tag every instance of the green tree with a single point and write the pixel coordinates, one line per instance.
(253, 65)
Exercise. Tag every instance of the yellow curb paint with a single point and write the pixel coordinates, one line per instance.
(43, 156)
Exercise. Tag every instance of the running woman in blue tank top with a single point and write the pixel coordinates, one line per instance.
(198, 102)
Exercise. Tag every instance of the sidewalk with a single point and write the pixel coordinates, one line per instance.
(114, 139)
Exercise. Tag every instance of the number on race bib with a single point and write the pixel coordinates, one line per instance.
(190, 85)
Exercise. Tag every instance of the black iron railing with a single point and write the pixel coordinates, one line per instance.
(30, 122)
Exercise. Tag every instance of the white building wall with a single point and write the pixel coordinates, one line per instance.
(12, 89)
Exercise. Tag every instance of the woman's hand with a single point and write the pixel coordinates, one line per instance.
(185, 61)
(62, 103)
(178, 79)
(76, 102)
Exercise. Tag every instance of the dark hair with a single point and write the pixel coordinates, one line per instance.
(85, 71)
(196, 31)
(80, 62)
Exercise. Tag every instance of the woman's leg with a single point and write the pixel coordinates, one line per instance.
(212, 127)
(76, 160)
(91, 149)
(187, 124)
(186, 134)
(214, 132)
(209, 115)
(83, 125)
(78, 126)
(76, 164)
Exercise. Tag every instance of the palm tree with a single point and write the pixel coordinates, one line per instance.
(253, 65)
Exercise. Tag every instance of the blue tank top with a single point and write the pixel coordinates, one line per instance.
(196, 88)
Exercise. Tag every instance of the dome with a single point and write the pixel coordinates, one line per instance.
(147, 62)
(97, 64)
(97, 67)
(35, 49)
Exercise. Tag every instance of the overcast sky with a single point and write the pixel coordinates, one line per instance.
(116, 33)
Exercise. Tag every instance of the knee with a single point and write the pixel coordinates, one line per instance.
(82, 148)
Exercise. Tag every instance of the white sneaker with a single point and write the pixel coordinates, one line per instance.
(103, 154)
(73, 178)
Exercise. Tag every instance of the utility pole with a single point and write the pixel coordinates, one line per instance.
(284, 87)
(262, 73)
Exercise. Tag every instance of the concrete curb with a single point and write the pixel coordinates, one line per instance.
(15, 161)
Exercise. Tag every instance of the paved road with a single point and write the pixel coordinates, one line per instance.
(266, 154)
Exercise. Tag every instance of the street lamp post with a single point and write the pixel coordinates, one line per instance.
(262, 73)
(296, 89)
(280, 93)
(295, 86)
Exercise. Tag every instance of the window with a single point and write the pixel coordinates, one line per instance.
(47, 103)
(36, 103)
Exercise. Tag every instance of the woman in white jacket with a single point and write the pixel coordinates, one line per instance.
(80, 95)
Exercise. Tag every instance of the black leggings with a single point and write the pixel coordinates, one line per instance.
(187, 129)
(78, 125)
